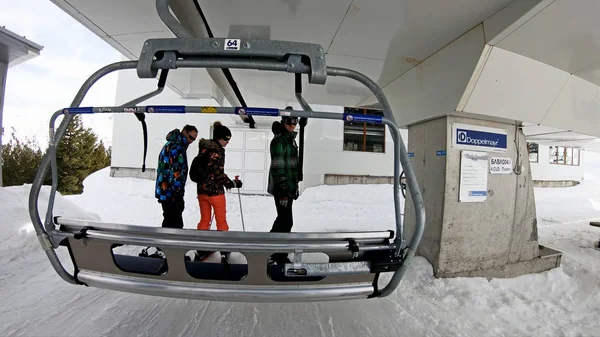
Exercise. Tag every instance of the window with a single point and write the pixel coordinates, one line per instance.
(532, 149)
(364, 137)
(564, 155)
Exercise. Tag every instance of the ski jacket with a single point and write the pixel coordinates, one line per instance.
(283, 172)
(172, 169)
(208, 169)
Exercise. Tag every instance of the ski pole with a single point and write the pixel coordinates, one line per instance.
(240, 198)
(211, 220)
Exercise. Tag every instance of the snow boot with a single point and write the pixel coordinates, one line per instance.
(201, 255)
(225, 257)
(152, 252)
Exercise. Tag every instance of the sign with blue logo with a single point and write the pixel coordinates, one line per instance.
(257, 111)
(440, 153)
(473, 176)
(479, 138)
(168, 109)
(363, 118)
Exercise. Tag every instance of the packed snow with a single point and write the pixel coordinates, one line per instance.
(564, 301)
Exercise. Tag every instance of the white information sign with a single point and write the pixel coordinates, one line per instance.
(473, 176)
(501, 165)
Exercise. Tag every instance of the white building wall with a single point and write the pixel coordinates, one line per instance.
(543, 170)
(323, 153)
(128, 141)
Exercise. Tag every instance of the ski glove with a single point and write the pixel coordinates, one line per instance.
(237, 183)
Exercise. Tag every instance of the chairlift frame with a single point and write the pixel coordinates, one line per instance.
(356, 258)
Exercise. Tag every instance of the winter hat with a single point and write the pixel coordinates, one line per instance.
(220, 131)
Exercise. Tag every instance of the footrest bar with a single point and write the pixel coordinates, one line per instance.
(226, 293)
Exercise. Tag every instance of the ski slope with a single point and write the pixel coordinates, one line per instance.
(34, 301)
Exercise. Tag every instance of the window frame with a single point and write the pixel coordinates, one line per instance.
(537, 152)
(363, 144)
(564, 151)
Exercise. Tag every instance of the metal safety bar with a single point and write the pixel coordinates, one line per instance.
(215, 240)
(182, 54)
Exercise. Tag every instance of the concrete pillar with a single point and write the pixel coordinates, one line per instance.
(476, 184)
(3, 74)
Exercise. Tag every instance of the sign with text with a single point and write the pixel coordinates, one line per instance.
(479, 138)
(473, 176)
(501, 165)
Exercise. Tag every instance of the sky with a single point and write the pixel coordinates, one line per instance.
(40, 86)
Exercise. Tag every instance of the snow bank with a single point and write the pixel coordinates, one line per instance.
(322, 208)
(17, 235)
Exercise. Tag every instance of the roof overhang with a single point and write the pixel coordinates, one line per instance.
(15, 49)
(527, 60)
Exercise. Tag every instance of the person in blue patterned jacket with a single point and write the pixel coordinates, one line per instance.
(171, 175)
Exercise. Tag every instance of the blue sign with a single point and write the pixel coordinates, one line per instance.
(76, 111)
(257, 111)
(166, 109)
(440, 153)
(480, 138)
(411, 154)
(477, 193)
(363, 118)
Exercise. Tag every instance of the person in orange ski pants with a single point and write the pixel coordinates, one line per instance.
(207, 170)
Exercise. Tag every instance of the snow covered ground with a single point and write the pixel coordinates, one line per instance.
(34, 301)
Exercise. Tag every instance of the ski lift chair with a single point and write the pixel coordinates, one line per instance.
(356, 259)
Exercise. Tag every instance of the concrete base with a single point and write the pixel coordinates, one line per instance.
(548, 259)
(494, 236)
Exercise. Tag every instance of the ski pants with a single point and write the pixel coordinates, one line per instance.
(207, 205)
(173, 213)
(283, 223)
(285, 220)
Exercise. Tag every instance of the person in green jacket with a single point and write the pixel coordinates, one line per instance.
(283, 177)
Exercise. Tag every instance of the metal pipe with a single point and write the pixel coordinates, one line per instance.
(223, 245)
(144, 97)
(226, 292)
(410, 176)
(164, 12)
(236, 64)
(43, 169)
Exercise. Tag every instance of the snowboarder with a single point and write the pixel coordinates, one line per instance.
(283, 177)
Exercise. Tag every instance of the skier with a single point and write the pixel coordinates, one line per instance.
(283, 177)
(207, 171)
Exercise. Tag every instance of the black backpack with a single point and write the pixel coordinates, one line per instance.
(199, 169)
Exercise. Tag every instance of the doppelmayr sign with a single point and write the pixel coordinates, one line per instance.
(479, 138)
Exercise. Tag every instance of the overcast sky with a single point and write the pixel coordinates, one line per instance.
(46, 83)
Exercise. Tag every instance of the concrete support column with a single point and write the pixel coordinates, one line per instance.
(476, 184)
(3, 74)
